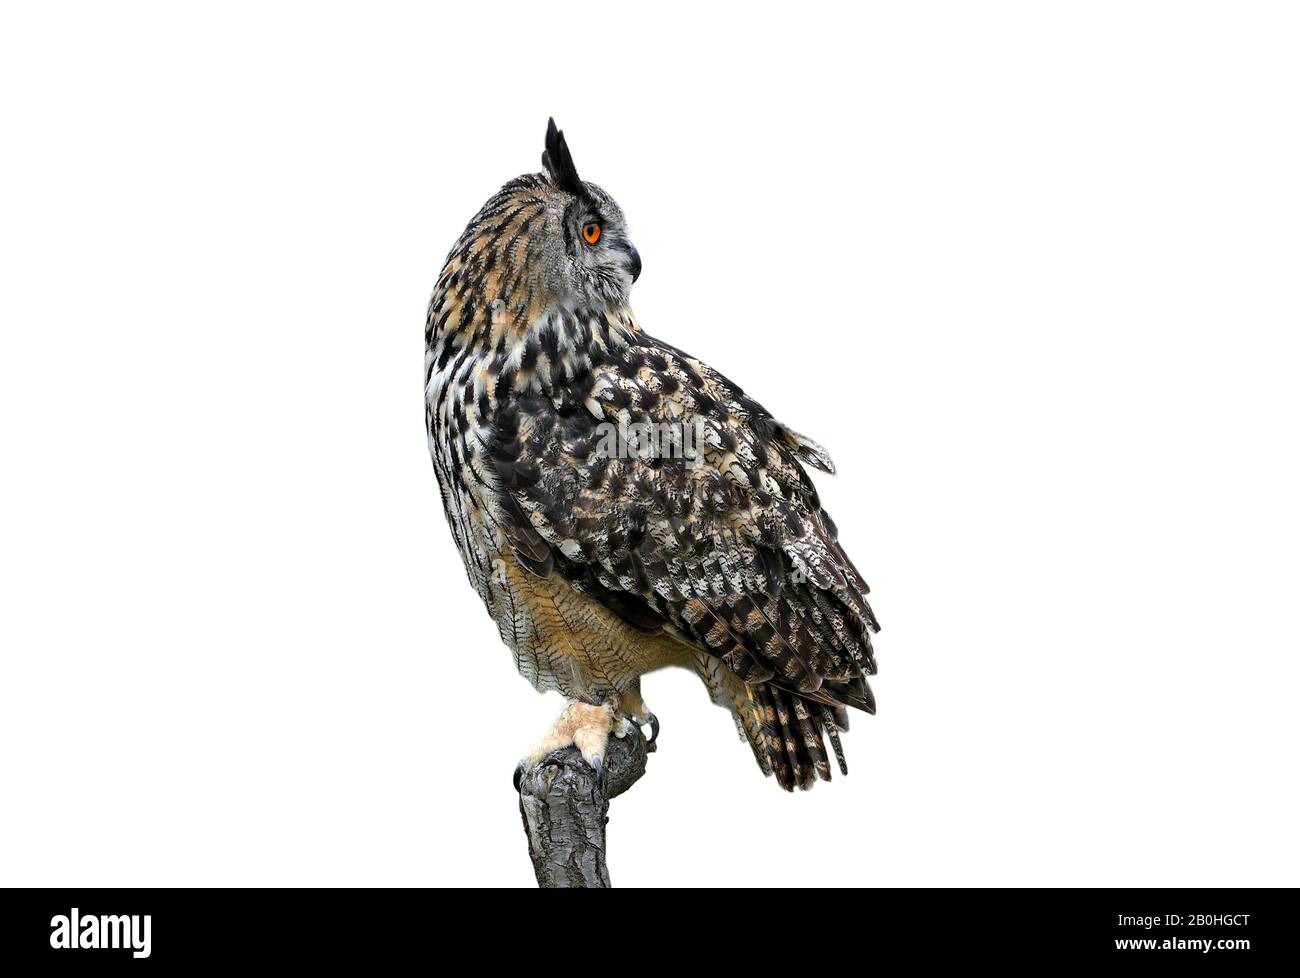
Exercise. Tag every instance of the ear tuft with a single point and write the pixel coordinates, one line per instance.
(559, 162)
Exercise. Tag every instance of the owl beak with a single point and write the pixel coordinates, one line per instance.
(633, 261)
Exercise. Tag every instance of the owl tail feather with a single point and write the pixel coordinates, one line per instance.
(792, 743)
(785, 729)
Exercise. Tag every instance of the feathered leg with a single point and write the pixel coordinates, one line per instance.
(587, 727)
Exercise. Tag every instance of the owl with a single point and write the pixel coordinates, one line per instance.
(622, 507)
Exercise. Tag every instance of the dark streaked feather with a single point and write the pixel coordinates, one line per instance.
(733, 555)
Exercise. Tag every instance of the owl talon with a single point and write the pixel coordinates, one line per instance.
(631, 705)
(586, 726)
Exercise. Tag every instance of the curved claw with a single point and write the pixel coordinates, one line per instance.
(599, 765)
(654, 729)
(519, 774)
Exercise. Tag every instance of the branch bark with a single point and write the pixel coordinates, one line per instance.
(565, 808)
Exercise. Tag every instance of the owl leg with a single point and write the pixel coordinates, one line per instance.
(586, 726)
(632, 706)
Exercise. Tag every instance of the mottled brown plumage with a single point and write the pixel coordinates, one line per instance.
(599, 565)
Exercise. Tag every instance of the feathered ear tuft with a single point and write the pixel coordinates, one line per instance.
(559, 162)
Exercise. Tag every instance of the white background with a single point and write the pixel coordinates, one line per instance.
(1028, 270)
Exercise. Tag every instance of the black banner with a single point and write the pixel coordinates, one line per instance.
(145, 930)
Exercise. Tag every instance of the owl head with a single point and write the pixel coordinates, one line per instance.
(544, 241)
(584, 244)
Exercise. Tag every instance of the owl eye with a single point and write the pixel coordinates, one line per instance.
(591, 233)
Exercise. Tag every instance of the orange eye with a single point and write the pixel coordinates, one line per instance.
(591, 233)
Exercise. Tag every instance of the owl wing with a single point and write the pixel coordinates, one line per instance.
(656, 486)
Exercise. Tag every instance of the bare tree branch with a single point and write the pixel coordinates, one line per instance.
(565, 809)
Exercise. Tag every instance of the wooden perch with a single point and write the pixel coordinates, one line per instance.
(565, 810)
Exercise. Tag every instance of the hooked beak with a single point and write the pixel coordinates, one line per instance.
(633, 261)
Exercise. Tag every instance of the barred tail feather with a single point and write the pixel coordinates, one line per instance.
(786, 730)
(793, 730)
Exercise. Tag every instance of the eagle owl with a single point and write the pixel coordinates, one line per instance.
(622, 507)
